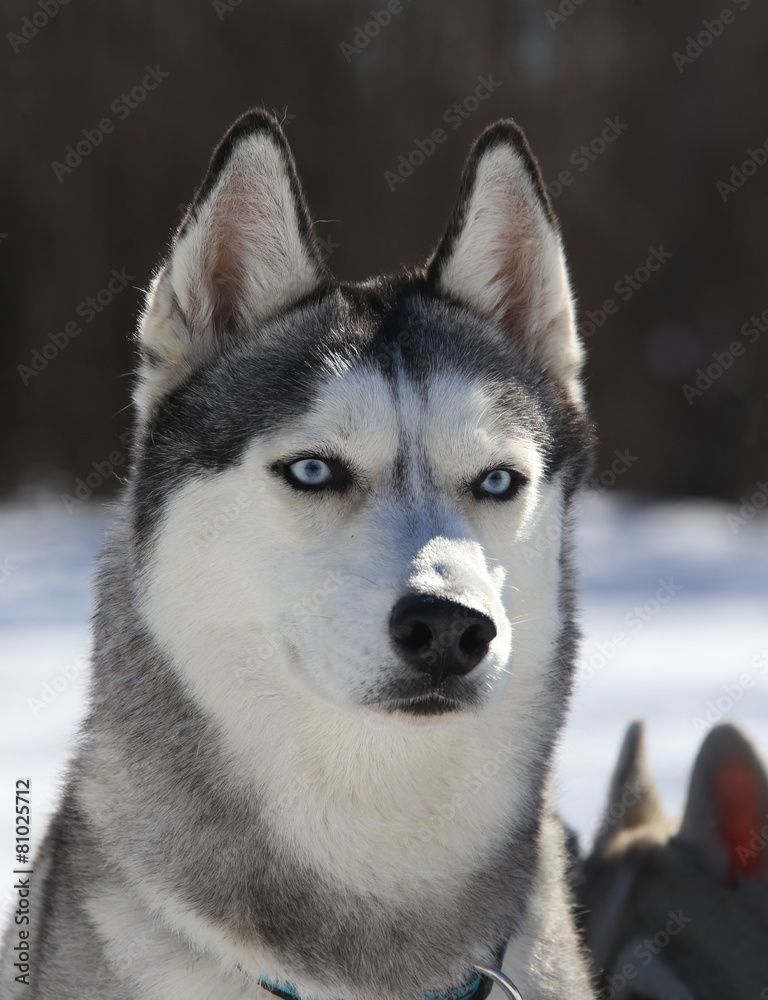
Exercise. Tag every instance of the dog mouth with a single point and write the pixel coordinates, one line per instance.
(418, 700)
(425, 705)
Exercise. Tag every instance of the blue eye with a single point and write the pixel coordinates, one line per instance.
(311, 472)
(499, 484)
(496, 482)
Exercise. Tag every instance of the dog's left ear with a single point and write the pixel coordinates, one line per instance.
(726, 816)
(633, 800)
(502, 256)
(244, 251)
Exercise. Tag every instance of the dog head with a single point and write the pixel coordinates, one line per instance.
(360, 493)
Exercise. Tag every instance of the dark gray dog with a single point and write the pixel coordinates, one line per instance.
(679, 911)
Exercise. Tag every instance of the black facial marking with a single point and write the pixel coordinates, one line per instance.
(205, 425)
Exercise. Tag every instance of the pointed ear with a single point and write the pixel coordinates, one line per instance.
(632, 797)
(726, 817)
(244, 250)
(502, 256)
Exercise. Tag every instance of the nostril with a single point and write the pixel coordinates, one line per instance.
(477, 637)
(415, 635)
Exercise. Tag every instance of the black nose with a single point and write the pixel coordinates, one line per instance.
(438, 636)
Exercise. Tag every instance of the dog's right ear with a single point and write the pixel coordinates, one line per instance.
(244, 251)
(726, 816)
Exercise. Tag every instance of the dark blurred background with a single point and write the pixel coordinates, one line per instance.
(665, 105)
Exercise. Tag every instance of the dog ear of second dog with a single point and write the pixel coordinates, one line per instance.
(680, 911)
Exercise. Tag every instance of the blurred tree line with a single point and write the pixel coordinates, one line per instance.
(649, 121)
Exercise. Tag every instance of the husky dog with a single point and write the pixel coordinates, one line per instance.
(334, 637)
(680, 911)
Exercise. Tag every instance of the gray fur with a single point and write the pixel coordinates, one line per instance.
(153, 807)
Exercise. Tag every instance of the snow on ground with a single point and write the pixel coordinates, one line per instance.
(675, 617)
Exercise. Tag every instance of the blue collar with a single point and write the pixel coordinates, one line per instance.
(478, 989)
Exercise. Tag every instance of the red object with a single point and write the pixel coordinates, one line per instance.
(737, 796)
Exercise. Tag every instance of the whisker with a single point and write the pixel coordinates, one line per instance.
(360, 577)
